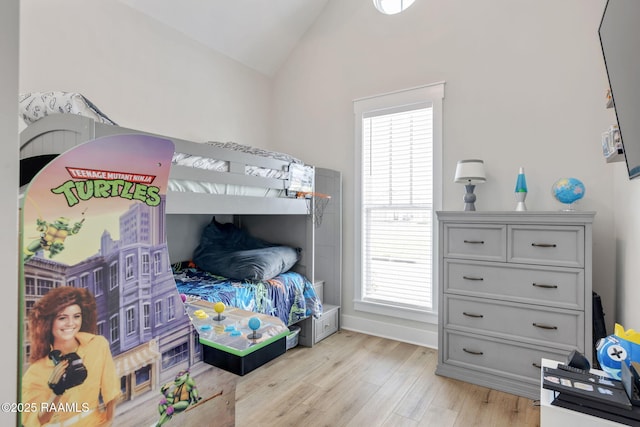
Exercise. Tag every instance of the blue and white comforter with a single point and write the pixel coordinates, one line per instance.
(288, 296)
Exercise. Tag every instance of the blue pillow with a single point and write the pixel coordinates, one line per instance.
(228, 251)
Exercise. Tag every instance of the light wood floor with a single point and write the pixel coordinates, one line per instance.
(352, 379)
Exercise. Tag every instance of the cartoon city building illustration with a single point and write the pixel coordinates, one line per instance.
(139, 310)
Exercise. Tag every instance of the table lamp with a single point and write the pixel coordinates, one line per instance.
(469, 173)
(521, 191)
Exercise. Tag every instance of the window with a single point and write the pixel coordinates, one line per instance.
(128, 267)
(158, 312)
(145, 263)
(29, 304)
(157, 263)
(30, 286)
(44, 286)
(171, 308)
(196, 344)
(175, 355)
(84, 281)
(146, 315)
(131, 321)
(398, 167)
(143, 375)
(113, 276)
(114, 328)
(97, 282)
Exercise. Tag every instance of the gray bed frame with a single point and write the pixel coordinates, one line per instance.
(189, 212)
(56, 133)
(281, 220)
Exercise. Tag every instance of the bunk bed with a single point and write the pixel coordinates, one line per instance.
(205, 177)
(225, 179)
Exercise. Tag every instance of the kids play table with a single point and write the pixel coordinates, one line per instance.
(234, 340)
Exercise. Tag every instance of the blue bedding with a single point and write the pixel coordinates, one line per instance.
(288, 296)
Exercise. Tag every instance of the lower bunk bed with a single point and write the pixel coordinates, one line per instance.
(243, 320)
(232, 266)
(229, 340)
(289, 296)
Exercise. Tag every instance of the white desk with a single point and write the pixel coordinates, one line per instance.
(555, 416)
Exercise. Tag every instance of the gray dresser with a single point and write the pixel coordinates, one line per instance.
(514, 287)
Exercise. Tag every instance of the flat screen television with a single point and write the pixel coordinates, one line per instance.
(620, 41)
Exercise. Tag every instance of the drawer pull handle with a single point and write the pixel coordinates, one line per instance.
(475, 242)
(476, 353)
(544, 245)
(536, 365)
(539, 325)
(542, 285)
(480, 316)
(472, 278)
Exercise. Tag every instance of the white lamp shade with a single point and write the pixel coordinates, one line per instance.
(470, 172)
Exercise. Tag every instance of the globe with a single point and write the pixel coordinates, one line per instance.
(568, 190)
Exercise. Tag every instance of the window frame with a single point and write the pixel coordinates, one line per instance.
(84, 280)
(98, 281)
(157, 263)
(114, 328)
(146, 315)
(157, 312)
(145, 262)
(129, 266)
(171, 308)
(434, 95)
(130, 314)
(114, 276)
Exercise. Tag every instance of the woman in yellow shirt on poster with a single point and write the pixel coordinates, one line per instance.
(71, 380)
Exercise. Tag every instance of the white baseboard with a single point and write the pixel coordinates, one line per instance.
(417, 336)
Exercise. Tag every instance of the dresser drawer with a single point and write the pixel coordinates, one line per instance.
(521, 322)
(481, 242)
(547, 245)
(552, 286)
(327, 323)
(503, 358)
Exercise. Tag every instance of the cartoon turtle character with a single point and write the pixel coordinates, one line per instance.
(178, 395)
(52, 236)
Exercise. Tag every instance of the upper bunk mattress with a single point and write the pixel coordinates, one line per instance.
(299, 175)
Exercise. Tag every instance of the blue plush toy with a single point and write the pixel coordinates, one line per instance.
(621, 347)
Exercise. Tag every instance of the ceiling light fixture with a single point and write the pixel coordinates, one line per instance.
(391, 7)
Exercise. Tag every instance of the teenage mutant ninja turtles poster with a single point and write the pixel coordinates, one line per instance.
(105, 337)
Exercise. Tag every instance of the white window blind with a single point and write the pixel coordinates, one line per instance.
(397, 204)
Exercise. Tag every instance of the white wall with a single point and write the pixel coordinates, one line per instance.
(9, 212)
(627, 206)
(140, 73)
(525, 86)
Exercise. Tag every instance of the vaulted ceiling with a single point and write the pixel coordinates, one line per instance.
(257, 33)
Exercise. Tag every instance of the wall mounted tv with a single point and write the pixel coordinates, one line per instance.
(620, 40)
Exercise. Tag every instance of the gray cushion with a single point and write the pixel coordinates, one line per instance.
(228, 251)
